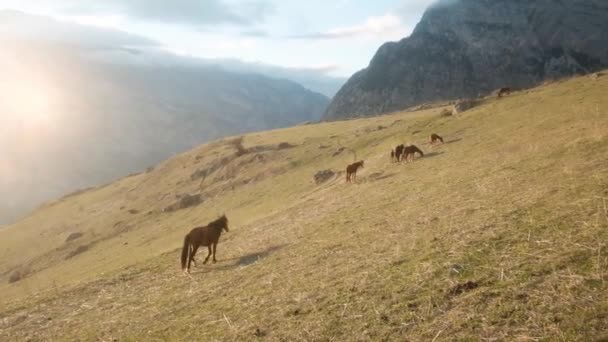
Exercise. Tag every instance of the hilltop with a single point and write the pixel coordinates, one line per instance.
(498, 234)
(464, 48)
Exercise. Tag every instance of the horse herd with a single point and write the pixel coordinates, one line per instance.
(398, 154)
(209, 235)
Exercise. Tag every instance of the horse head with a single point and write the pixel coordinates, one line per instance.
(224, 221)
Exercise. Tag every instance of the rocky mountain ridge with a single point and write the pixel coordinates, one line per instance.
(466, 48)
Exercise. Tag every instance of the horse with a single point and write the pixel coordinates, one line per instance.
(399, 152)
(208, 236)
(435, 138)
(411, 150)
(351, 171)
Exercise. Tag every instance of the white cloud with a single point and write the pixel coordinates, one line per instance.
(388, 27)
(182, 12)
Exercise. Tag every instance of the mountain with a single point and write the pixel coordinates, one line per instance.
(464, 48)
(83, 106)
(499, 234)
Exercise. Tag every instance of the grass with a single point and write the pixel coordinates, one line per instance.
(499, 234)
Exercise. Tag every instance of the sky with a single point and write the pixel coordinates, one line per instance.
(335, 37)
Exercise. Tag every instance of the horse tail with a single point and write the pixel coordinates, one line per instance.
(441, 139)
(421, 153)
(185, 251)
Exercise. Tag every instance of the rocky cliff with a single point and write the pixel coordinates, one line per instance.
(464, 48)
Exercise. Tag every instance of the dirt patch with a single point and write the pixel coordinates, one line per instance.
(338, 151)
(79, 250)
(323, 176)
(462, 288)
(209, 170)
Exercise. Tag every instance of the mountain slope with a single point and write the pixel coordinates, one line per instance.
(500, 233)
(465, 48)
(72, 117)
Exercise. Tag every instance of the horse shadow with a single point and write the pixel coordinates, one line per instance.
(453, 141)
(375, 177)
(245, 260)
(433, 154)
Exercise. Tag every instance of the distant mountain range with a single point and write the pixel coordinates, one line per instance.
(464, 48)
(82, 106)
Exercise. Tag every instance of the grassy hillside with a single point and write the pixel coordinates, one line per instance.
(499, 234)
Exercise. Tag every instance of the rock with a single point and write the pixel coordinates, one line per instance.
(73, 236)
(323, 176)
(461, 49)
(17, 276)
(284, 146)
(463, 106)
(595, 75)
(445, 113)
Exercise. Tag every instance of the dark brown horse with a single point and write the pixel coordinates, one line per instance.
(208, 235)
(435, 138)
(411, 151)
(399, 152)
(351, 171)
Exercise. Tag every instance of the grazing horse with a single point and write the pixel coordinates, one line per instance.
(411, 151)
(208, 235)
(399, 152)
(435, 138)
(351, 171)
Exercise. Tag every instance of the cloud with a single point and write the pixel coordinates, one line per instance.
(18, 26)
(254, 33)
(185, 12)
(387, 26)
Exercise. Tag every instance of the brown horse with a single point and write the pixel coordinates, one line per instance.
(399, 152)
(411, 151)
(208, 235)
(435, 138)
(351, 171)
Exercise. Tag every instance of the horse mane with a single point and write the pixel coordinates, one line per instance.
(220, 222)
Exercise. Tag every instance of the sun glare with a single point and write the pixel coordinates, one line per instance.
(28, 101)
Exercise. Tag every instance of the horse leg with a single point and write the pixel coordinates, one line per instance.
(194, 249)
(192, 254)
(214, 249)
(208, 255)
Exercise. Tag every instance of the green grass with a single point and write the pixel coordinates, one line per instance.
(515, 203)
